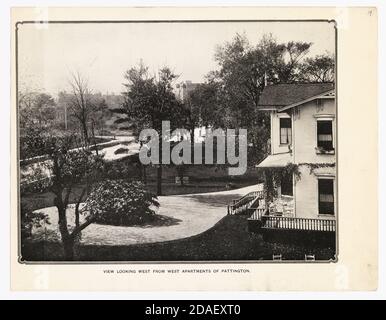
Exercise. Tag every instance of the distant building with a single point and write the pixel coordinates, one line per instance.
(183, 89)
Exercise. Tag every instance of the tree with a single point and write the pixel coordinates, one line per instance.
(149, 100)
(318, 69)
(69, 167)
(243, 72)
(81, 103)
(202, 107)
(36, 109)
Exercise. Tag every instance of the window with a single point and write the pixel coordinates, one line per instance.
(325, 135)
(287, 185)
(326, 196)
(285, 131)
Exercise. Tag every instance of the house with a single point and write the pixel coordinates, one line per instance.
(303, 155)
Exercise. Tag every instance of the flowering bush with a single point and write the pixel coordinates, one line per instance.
(118, 202)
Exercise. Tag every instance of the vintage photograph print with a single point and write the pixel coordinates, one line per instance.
(177, 141)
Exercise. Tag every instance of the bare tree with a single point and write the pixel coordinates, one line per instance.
(81, 103)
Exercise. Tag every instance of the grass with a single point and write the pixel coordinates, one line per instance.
(229, 239)
(203, 179)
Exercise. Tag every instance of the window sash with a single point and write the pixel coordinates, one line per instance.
(285, 131)
(324, 135)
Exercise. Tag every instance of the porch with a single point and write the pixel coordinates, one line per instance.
(278, 216)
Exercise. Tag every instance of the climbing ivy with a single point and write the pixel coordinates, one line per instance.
(314, 166)
(273, 176)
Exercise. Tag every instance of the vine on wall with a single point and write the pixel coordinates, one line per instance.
(274, 175)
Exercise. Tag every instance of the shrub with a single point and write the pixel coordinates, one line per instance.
(118, 202)
(31, 219)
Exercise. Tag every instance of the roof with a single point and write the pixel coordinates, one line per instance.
(284, 94)
(276, 160)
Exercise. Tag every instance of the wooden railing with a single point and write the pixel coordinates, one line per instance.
(291, 223)
(256, 213)
(241, 205)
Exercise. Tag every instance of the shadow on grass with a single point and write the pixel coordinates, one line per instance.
(229, 239)
(160, 221)
(157, 220)
(215, 200)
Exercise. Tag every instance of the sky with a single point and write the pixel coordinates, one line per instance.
(102, 53)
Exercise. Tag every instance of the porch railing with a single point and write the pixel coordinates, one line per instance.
(292, 223)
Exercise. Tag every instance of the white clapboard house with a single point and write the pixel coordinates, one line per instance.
(303, 138)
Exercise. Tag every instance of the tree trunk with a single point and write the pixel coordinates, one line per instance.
(67, 240)
(192, 144)
(269, 187)
(68, 246)
(159, 180)
(85, 133)
(77, 205)
(159, 169)
(143, 168)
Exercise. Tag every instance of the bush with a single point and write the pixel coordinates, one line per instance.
(118, 202)
(31, 219)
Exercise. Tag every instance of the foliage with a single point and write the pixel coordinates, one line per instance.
(315, 166)
(274, 176)
(31, 143)
(318, 69)
(203, 106)
(244, 70)
(32, 219)
(149, 100)
(121, 203)
(36, 109)
(67, 167)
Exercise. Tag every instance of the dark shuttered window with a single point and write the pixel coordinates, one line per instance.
(326, 196)
(287, 185)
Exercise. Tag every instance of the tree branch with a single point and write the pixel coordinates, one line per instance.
(82, 226)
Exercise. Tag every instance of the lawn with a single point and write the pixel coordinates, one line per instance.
(177, 217)
(229, 239)
(226, 239)
(203, 179)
